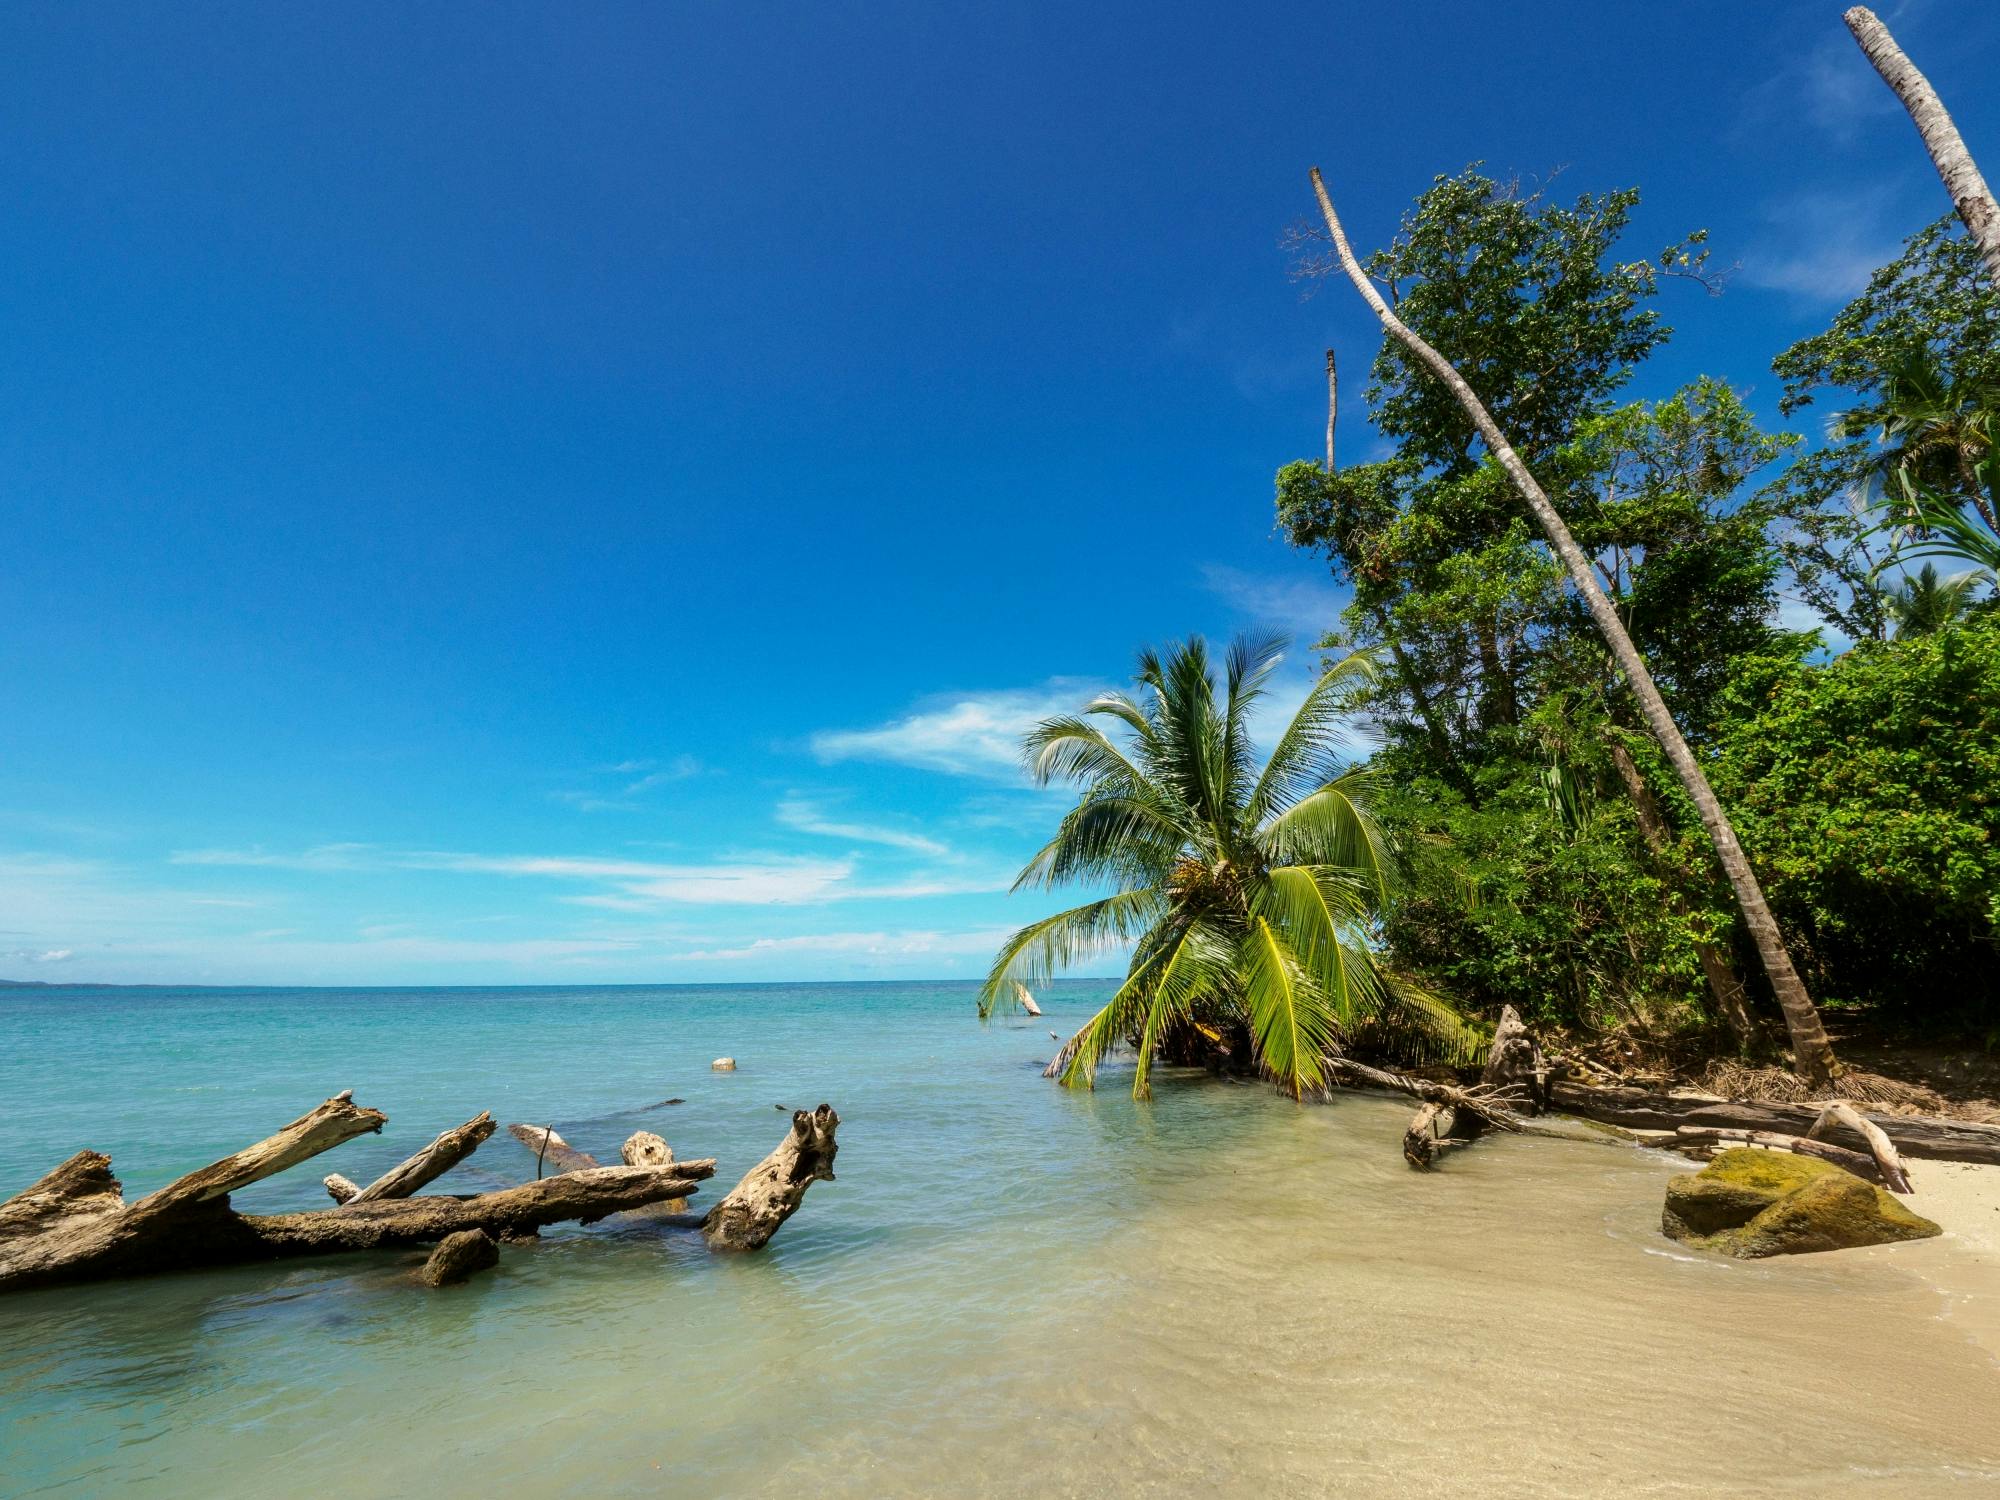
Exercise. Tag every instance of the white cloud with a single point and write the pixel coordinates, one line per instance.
(1823, 246)
(630, 885)
(1305, 606)
(807, 817)
(321, 857)
(871, 944)
(43, 956)
(967, 734)
(680, 768)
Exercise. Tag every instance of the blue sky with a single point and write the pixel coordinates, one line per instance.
(592, 493)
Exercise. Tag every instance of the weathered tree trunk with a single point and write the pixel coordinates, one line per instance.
(75, 1223)
(552, 1152)
(771, 1191)
(1716, 967)
(1930, 1136)
(583, 1196)
(645, 1149)
(429, 1164)
(1879, 1145)
(340, 1189)
(1962, 179)
(1811, 1051)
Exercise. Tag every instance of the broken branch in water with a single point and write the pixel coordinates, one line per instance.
(74, 1224)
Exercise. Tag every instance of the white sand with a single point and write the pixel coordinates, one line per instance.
(1964, 1263)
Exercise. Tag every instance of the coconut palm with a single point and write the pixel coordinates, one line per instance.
(1246, 893)
(1937, 478)
(1923, 603)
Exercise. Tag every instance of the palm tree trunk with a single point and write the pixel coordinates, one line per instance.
(1969, 193)
(1812, 1053)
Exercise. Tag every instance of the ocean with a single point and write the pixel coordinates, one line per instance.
(1010, 1289)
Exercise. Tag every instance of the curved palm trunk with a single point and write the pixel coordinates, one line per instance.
(1969, 193)
(1812, 1053)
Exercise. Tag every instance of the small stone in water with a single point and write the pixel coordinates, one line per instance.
(724, 1065)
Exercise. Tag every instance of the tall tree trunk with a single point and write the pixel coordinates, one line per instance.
(1716, 967)
(1969, 193)
(1812, 1053)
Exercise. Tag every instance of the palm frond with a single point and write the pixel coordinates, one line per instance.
(1033, 955)
(1291, 1023)
(1332, 826)
(1300, 760)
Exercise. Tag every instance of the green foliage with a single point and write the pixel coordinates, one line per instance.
(1920, 350)
(1248, 892)
(1867, 791)
(1863, 787)
(1545, 902)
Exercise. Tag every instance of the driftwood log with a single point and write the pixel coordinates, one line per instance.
(1928, 1136)
(552, 1152)
(771, 1191)
(429, 1164)
(645, 1149)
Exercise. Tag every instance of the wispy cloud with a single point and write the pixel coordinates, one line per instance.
(871, 944)
(40, 956)
(1823, 247)
(963, 734)
(629, 884)
(1305, 606)
(808, 817)
(319, 857)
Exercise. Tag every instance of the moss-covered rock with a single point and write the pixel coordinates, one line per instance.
(1751, 1203)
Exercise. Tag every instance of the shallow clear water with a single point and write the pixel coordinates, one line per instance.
(1011, 1289)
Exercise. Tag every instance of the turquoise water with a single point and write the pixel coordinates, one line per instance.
(1010, 1289)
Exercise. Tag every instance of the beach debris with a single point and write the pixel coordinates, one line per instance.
(1026, 1000)
(1879, 1163)
(75, 1225)
(724, 1065)
(1751, 1203)
(552, 1149)
(1509, 1087)
(771, 1191)
(458, 1256)
(1937, 1137)
(644, 1149)
(339, 1188)
(429, 1164)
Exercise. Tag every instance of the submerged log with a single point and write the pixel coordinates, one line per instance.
(429, 1164)
(458, 1256)
(771, 1191)
(1932, 1136)
(551, 1150)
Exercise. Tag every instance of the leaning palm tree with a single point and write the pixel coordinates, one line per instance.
(1246, 894)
